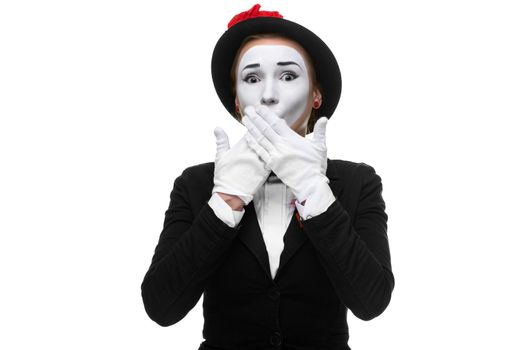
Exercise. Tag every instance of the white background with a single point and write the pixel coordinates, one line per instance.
(104, 103)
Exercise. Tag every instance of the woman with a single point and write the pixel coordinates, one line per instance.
(281, 240)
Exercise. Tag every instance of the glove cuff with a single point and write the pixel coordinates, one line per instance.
(246, 198)
(311, 187)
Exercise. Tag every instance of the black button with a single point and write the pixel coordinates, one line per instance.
(274, 294)
(276, 339)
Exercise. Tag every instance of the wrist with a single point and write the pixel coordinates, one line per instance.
(318, 202)
(232, 200)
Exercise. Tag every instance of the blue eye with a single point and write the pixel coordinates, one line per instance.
(251, 79)
(289, 76)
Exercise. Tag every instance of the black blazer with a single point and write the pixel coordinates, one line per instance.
(333, 262)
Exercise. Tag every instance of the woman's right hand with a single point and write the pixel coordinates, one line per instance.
(238, 170)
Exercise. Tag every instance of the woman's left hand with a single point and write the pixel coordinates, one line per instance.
(299, 162)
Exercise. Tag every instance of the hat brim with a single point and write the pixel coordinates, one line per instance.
(326, 67)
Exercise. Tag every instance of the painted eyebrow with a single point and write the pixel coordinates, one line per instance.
(253, 65)
(287, 63)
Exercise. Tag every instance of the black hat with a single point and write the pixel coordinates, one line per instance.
(253, 22)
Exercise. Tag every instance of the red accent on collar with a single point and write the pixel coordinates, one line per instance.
(298, 217)
(292, 202)
(253, 13)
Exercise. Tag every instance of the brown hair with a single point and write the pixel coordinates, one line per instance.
(313, 77)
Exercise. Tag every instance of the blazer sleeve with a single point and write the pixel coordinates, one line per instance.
(190, 248)
(356, 254)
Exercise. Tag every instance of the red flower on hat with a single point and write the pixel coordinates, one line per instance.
(253, 13)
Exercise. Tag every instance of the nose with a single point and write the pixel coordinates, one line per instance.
(269, 96)
(269, 101)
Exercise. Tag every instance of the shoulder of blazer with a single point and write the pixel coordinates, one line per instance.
(348, 178)
(346, 169)
(198, 181)
(202, 169)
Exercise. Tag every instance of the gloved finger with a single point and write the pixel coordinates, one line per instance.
(257, 135)
(222, 140)
(320, 130)
(249, 109)
(277, 124)
(260, 151)
(263, 127)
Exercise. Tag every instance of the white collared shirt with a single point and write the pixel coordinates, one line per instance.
(274, 206)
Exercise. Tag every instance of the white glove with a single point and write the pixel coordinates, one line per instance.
(238, 171)
(299, 162)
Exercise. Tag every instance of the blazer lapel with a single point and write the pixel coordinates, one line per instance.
(251, 235)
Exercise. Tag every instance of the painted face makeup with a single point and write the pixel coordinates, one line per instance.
(275, 76)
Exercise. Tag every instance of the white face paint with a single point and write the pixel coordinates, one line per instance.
(275, 76)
